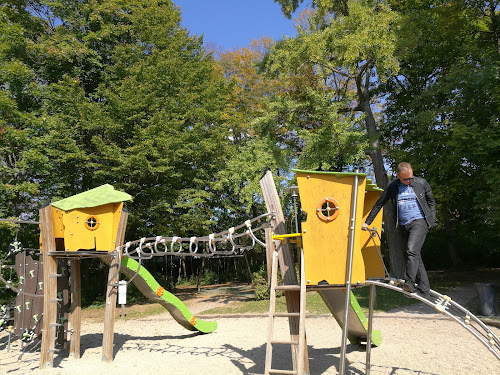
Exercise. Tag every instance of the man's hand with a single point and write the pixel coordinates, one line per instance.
(364, 226)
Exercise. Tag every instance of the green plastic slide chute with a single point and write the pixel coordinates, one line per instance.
(148, 286)
(357, 326)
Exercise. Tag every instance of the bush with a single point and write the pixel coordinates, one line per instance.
(209, 278)
(261, 291)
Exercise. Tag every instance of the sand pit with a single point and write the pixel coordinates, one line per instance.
(416, 340)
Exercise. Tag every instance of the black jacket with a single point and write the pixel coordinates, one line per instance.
(423, 192)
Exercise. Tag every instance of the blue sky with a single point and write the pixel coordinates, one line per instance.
(232, 24)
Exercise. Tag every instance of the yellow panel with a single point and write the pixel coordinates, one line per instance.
(58, 228)
(326, 244)
(117, 212)
(373, 265)
(77, 235)
(57, 218)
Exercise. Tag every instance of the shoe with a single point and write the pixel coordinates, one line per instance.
(408, 287)
(426, 295)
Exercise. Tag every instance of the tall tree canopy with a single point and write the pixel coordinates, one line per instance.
(443, 113)
(116, 92)
(434, 67)
(95, 92)
(349, 46)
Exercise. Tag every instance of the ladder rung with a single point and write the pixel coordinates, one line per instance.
(286, 314)
(285, 342)
(56, 300)
(54, 350)
(55, 324)
(275, 371)
(287, 287)
(56, 275)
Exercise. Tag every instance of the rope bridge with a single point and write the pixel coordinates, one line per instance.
(237, 239)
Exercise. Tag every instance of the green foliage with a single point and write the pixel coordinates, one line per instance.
(261, 286)
(261, 290)
(114, 92)
(209, 278)
(117, 92)
(442, 114)
(342, 52)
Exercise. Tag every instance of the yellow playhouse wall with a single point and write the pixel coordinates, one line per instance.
(326, 244)
(70, 226)
(373, 265)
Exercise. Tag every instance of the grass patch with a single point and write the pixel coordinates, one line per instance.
(140, 311)
(137, 311)
(386, 299)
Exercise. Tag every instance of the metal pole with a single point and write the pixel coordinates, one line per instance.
(294, 196)
(349, 274)
(370, 328)
(299, 253)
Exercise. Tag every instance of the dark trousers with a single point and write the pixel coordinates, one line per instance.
(414, 234)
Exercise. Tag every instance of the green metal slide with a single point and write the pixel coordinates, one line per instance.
(148, 286)
(357, 323)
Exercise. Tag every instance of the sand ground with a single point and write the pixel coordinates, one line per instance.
(416, 340)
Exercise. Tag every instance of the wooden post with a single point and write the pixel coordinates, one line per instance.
(49, 288)
(272, 200)
(76, 305)
(200, 273)
(269, 253)
(272, 306)
(271, 197)
(112, 293)
(247, 269)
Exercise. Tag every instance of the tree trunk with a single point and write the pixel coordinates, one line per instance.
(394, 242)
(200, 274)
(452, 248)
(183, 262)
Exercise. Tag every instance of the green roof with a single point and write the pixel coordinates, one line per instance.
(92, 198)
(370, 186)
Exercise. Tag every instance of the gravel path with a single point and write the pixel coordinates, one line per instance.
(416, 340)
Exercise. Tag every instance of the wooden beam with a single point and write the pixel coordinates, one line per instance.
(76, 306)
(49, 288)
(112, 293)
(269, 252)
(271, 197)
(289, 277)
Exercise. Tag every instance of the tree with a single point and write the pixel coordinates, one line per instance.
(351, 46)
(251, 151)
(443, 109)
(116, 92)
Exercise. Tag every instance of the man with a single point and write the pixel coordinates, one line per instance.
(416, 214)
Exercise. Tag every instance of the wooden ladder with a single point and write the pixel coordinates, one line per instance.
(298, 345)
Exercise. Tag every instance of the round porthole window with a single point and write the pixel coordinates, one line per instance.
(92, 223)
(328, 209)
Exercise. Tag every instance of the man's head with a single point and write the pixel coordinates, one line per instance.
(404, 173)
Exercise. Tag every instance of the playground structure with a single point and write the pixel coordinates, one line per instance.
(335, 257)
